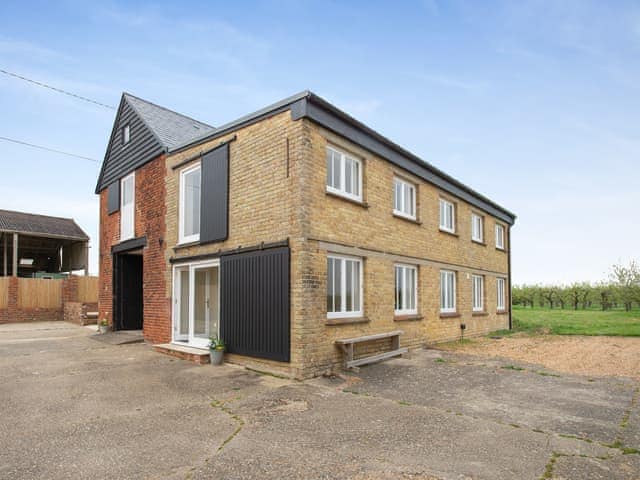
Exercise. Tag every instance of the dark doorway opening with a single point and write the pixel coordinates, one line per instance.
(127, 301)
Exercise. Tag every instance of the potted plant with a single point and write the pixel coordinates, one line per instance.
(216, 350)
(104, 326)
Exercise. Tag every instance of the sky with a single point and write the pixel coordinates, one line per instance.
(534, 104)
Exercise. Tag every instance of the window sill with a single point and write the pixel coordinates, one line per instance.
(479, 314)
(447, 232)
(449, 315)
(501, 249)
(407, 219)
(347, 199)
(180, 246)
(478, 242)
(502, 312)
(346, 320)
(407, 318)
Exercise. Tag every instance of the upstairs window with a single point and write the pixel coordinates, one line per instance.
(344, 174)
(189, 210)
(404, 198)
(499, 236)
(406, 290)
(344, 287)
(477, 293)
(127, 206)
(447, 291)
(500, 289)
(126, 135)
(477, 233)
(447, 216)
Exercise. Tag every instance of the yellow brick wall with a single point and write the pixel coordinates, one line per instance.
(336, 225)
(268, 202)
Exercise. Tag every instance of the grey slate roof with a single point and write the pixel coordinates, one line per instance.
(171, 128)
(42, 225)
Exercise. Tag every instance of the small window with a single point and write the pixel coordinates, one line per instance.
(127, 206)
(126, 134)
(500, 283)
(477, 293)
(189, 209)
(447, 216)
(447, 291)
(499, 236)
(344, 287)
(404, 198)
(406, 290)
(477, 230)
(344, 174)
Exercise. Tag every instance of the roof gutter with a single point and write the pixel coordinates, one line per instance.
(330, 117)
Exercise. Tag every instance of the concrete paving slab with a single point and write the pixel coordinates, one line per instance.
(505, 391)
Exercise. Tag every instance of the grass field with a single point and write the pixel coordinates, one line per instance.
(576, 322)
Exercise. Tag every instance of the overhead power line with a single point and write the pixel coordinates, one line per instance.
(20, 142)
(55, 89)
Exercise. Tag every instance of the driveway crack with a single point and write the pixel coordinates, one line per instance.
(220, 405)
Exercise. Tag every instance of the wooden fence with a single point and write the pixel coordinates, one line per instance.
(46, 294)
(88, 289)
(39, 293)
(4, 292)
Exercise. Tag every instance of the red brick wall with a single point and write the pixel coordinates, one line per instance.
(149, 222)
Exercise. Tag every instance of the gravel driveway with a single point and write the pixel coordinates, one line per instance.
(76, 408)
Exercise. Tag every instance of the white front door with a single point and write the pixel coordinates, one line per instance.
(196, 309)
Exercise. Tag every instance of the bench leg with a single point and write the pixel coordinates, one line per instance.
(349, 354)
(395, 342)
(347, 351)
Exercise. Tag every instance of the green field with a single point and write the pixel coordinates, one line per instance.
(576, 322)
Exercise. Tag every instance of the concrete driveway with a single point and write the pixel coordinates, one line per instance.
(72, 407)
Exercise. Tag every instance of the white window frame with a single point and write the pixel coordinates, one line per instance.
(477, 293)
(341, 189)
(403, 269)
(500, 229)
(501, 299)
(343, 313)
(403, 210)
(477, 228)
(182, 238)
(126, 135)
(445, 206)
(126, 235)
(444, 285)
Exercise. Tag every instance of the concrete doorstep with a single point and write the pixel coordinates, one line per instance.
(121, 337)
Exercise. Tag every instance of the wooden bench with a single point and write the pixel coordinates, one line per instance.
(347, 347)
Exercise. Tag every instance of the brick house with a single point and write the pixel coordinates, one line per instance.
(288, 231)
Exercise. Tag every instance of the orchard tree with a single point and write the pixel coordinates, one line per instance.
(574, 293)
(605, 294)
(627, 280)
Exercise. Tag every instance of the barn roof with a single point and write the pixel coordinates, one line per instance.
(41, 225)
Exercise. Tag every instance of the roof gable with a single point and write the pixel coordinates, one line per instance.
(153, 131)
(171, 128)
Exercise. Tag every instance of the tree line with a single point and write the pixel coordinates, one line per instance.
(621, 289)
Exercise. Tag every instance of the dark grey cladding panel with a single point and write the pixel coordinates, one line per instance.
(214, 196)
(255, 303)
(123, 159)
(113, 197)
(373, 143)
